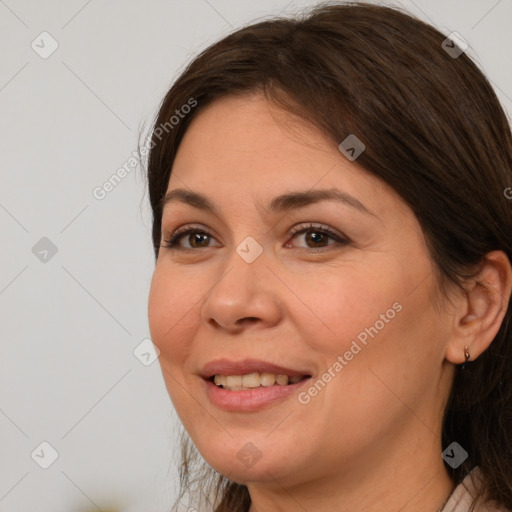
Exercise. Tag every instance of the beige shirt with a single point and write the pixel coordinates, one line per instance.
(462, 496)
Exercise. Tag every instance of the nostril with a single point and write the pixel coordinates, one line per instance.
(247, 320)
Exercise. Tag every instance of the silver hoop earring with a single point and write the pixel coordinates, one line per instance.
(466, 356)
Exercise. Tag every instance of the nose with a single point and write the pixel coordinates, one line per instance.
(246, 295)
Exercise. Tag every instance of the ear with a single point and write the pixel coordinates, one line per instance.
(480, 311)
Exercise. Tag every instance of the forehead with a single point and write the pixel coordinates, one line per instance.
(243, 149)
(249, 129)
(245, 139)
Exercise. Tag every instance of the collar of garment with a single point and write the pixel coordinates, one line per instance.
(462, 497)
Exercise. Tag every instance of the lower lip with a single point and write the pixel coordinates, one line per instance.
(251, 399)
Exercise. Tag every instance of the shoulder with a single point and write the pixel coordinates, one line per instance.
(462, 496)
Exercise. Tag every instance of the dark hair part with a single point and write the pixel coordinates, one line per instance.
(434, 131)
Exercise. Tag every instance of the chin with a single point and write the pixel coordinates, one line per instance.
(241, 460)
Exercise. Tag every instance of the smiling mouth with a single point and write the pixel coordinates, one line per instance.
(254, 380)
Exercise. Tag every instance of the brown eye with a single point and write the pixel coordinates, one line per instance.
(318, 237)
(197, 239)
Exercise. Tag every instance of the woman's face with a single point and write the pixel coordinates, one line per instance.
(255, 287)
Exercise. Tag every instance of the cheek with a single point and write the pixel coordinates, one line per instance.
(171, 313)
(389, 342)
(346, 307)
(172, 307)
(368, 320)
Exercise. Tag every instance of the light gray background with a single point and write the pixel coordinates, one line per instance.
(70, 325)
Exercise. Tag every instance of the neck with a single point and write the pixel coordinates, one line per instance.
(408, 476)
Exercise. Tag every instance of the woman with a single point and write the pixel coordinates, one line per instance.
(331, 296)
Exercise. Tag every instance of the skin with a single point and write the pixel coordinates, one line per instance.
(371, 439)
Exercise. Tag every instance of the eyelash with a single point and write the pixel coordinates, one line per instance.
(172, 242)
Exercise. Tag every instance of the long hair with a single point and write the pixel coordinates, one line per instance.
(434, 131)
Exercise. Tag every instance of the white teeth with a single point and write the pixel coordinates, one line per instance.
(233, 381)
(282, 380)
(220, 380)
(267, 379)
(253, 380)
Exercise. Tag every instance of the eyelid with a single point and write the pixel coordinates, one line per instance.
(316, 225)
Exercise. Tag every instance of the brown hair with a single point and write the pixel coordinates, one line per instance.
(434, 131)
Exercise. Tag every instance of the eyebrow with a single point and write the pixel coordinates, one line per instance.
(282, 203)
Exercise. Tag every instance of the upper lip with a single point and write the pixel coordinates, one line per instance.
(245, 366)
